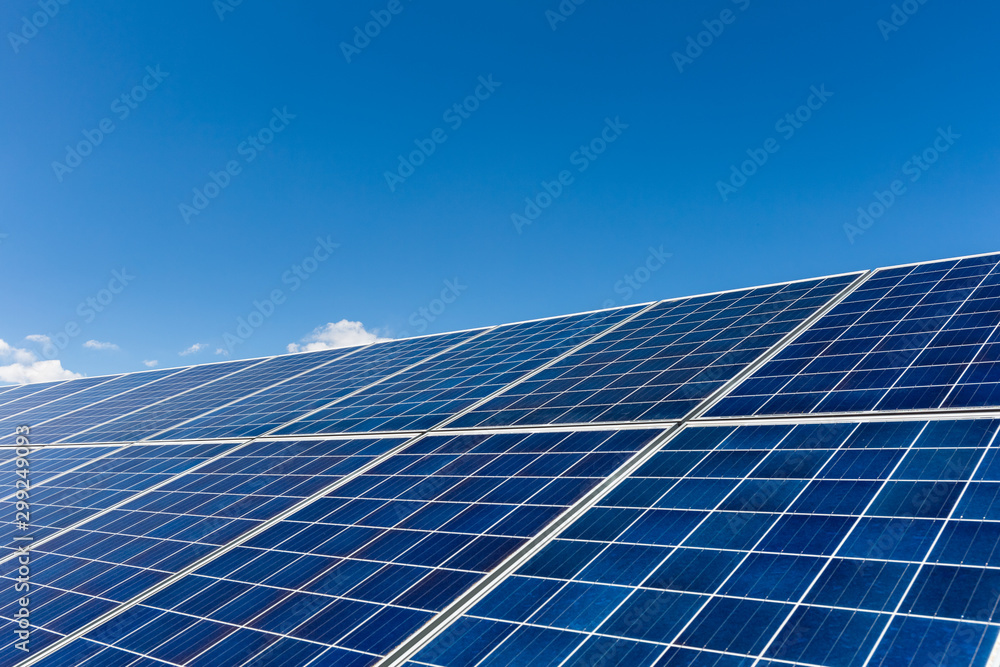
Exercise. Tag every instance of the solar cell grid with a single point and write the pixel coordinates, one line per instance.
(55, 391)
(60, 428)
(61, 496)
(661, 364)
(857, 539)
(919, 337)
(815, 544)
(281, 404)
(81, 573)
(5, 388)
(36, 417)
(156, 418)
(428, 394)
(14, 393)
(358, 570)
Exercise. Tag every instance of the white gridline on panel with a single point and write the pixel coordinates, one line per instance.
(776, 518)
(454, 611)
(753, 550)
(872, 308)
(938, 333)
(347, 632)
(701, 323)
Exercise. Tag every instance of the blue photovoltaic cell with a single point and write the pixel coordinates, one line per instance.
(12, 394)
(60, 428)
(916, 337)
(106, 475)
(279, 405)
(804, 547)
(84, 572)
(428, 394)
(5, 389)
(360, 569)
(660, 365)
(10, 410)
(36, 417)
(151, 420)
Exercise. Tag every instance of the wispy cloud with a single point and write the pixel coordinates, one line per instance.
(337, 334)
(20, 366)
(98, 345)
(223, 351)
(197, 347)
(150, 363)
(15, 354)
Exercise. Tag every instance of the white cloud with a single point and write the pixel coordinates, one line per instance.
(39, 338)
(150, 363)
(221, 350)
(16, 354)
(197, 347)
(98, 345)
(337, 334)
(24, 367)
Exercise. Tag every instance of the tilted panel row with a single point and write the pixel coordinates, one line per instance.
(62, 427)
(353, 574)
(434, 391)
(823, 544)
(84, 572)
(77, 401)
(274, 407)
(173, 411)
(912, 338)
(663, 363)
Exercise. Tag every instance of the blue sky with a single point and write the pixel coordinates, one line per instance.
(621, 122)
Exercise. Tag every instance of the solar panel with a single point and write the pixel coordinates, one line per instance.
(429, 393)
(661, 364)
(60, 428)
(915, 337)
(165, 414)
(36, 417)
(264, 412)
(50, 393)
(797, 474)
(5, 389)
(91, 479)
(17, 392)
(138, 528)
(813, 544)
(360, 568)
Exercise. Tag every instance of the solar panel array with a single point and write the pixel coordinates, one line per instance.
(797, 474)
